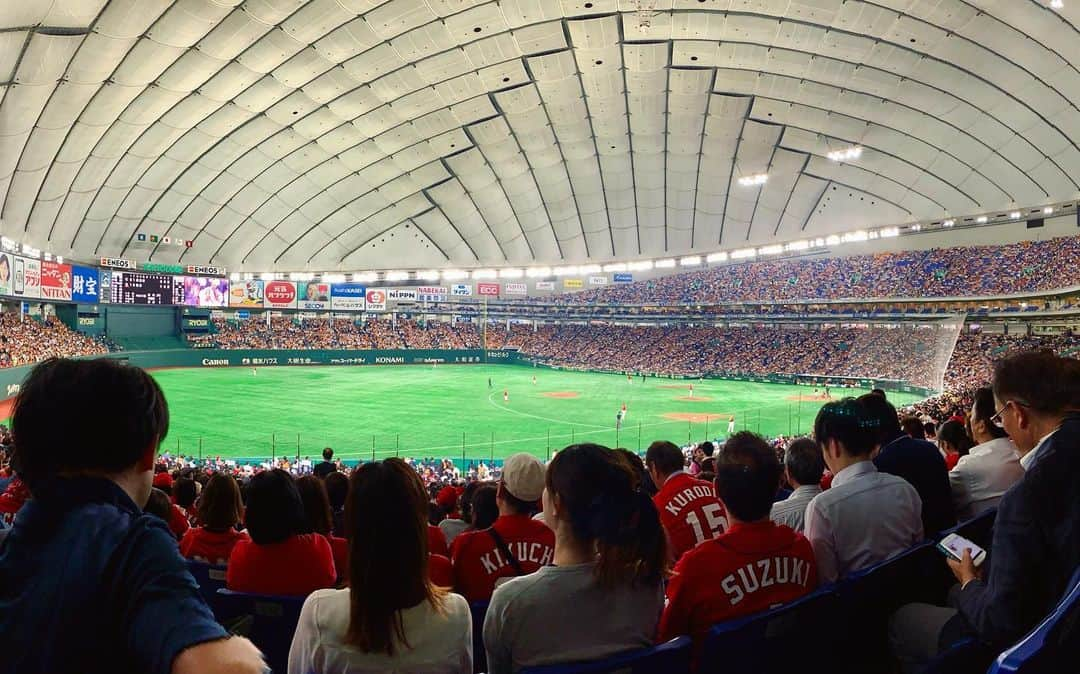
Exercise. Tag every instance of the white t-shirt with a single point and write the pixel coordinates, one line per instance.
(440, 643)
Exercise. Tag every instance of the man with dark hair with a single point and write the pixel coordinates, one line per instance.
(803, 467)
(97, 584)
(1036, 540)
(917, 461)
(866, 516)
(754, 565)
(516, 544)
(326, 466)
(688, 507)
(982, 477)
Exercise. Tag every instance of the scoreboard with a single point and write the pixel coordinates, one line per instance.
(140, 288)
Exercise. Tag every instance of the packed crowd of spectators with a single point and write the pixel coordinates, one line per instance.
(26, 339)
(387, 567)
(1028, 266)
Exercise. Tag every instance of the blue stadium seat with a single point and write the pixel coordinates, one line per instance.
(210, 578)
(670, 658)
(967, 656)
(1053, 646)
(978, 529)
(479, 657)
(766, 642)
(273, 623)
(867, 598)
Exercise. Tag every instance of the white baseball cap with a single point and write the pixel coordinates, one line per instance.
(523, 477)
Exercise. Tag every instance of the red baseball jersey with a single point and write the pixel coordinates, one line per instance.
(478, 562)
(297, 566)
(436, 541)
(213, 547)
(689, 511)
(750, 568)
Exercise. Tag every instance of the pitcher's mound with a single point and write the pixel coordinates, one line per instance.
(694, 399)
(679, 387)
(561, 394)
(694, 417)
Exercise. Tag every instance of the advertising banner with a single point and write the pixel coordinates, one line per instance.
(246, 293)
(432, 293)
(117, 263)
(516, 289)
(402, 295)
(201, 291)
(279, 295)
(545, 285)
(205, 270)
(375, 299)
(7, 273)
(347, 296)
(598, 280)
(487, 289)
(84, 285)
(55, 281)
(461, 290)
(27, 277)
(313, 295)
(624, 278)
(572, 283)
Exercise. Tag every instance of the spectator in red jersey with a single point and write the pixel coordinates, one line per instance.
(319, 519)
(953, 440)
(688, 507)
(279, 558)
(220, 510)
(515, 544)
(11, 500)
(392, 617)
(754, 565)
(604, 593)
(437, 541)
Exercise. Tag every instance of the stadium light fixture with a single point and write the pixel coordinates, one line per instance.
(743, 253)
(1015, 215)
(1049, 210)
(948, 223)
(618, 266)
(235, 276)
(982, 219)
(641, 265)
(396, 276)
(565, 271)
(429, 275)
(832, 240)
(334, 278)
(798, 245)
(716, 257)
(846, 154)
(690, 261)
(858, 235)
(266, 276)
(454, 274)
(589, 269)
(48, 256)
(1057, 4)
(511, 273)
(916, 228)
(664, 264)
(754, 180)
(30, 251)
(365, 277)
(59, 259)
(538, 272)
(774, 249)
(485, 274)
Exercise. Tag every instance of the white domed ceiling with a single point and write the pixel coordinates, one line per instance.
(357, 134)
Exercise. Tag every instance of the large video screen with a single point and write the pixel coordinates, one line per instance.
(131, 287)
(201, 291)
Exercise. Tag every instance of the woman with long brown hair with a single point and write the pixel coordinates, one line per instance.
(391, 617)
(604, 594)
(220, 510)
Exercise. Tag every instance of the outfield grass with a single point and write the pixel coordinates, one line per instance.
(449, 410)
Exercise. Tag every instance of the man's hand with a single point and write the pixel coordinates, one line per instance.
(233, 655)
(964, 570)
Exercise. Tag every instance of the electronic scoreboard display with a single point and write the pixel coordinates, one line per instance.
(129, 287)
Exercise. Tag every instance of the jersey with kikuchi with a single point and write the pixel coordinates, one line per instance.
(479, 563)
(689, 511)
(751, 567)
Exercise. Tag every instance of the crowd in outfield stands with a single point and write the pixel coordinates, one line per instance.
(1028, 266)
(25, 340)
(388, 565)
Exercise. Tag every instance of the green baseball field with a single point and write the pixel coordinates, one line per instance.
(452, 411)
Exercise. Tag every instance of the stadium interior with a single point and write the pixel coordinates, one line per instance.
(540, 336)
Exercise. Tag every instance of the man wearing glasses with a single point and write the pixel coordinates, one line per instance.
(1036, 543)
